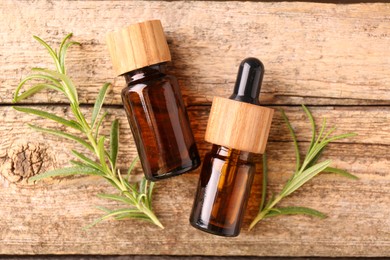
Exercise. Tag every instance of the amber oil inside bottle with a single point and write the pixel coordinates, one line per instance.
(223, 191)
(159, 123)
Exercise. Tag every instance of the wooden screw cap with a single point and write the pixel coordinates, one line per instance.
(137, 46)
(239, 125)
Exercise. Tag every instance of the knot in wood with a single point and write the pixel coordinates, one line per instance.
(23, 161)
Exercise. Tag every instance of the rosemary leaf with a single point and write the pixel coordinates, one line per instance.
(131, 168)
(99, 103)
(50, 50)
(77, 163)
(120, 216)
(63, 42)
(68, 86)
(114, 197)
(87, 160)
(150, 193)
(313, 126)
(99, 124)
(44, 114)
(62, 52)
(114, 142)
(55, 84)
(292, 133)
(305, 176)
(294, 211)
(341, 172)
(62, 134)
(101, 153)
(35, 89)
(131, 213)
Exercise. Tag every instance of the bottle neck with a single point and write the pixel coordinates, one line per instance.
(144, 73)
(233, 154)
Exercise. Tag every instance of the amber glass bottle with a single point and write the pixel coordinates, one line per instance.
(155, 110)
(238, 131)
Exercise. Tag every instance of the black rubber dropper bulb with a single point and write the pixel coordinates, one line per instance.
(248, 83)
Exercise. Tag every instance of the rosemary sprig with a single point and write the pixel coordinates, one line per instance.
(136, 197)
(303, 172)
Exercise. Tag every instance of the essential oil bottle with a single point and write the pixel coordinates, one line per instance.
(238, 127)
(152, 99)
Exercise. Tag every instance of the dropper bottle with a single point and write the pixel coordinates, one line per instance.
(238, 127)
(153, 103)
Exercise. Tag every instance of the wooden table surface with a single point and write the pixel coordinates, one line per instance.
(333, 58)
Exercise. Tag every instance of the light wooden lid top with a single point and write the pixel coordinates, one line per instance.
(239, 125)
(137, 46)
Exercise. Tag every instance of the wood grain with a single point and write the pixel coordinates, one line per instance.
(48, 217)
(370, 123)
(332, 57)
(373, 135)
(313, 53)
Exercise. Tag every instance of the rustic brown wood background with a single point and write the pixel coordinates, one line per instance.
(334, 58)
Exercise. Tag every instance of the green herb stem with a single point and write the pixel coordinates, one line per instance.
(265, 211)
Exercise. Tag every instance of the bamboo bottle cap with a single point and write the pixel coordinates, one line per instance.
(239, 125)
(137, 46)
(240, 122)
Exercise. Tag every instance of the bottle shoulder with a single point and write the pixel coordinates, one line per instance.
(151, 81)
(232, 155)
